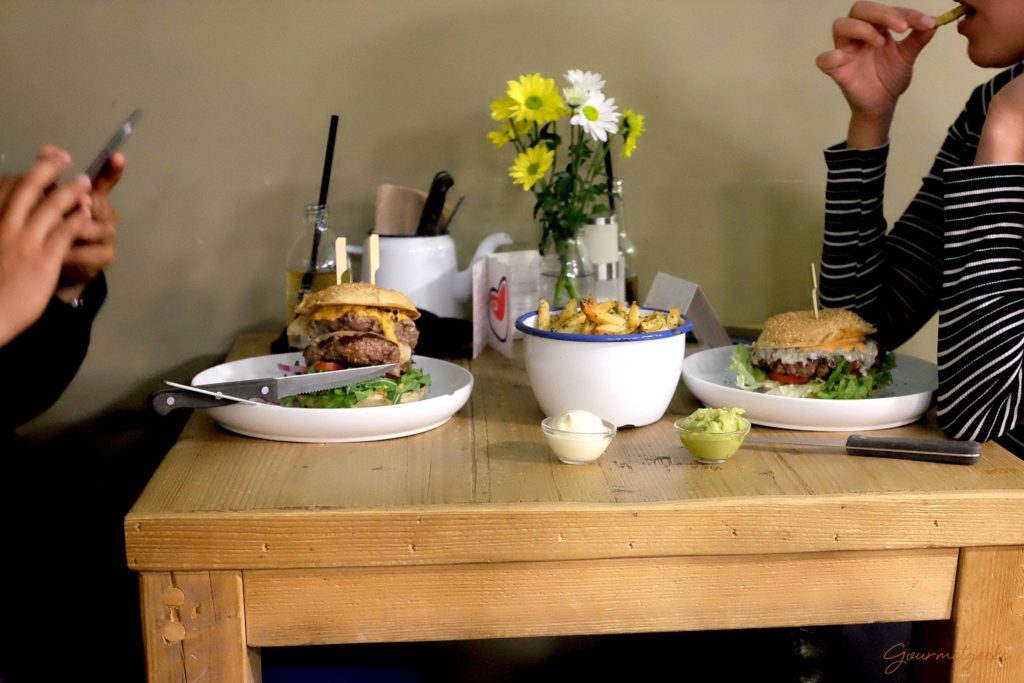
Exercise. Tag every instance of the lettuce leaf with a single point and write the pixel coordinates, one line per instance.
(840, 385)
(346, 397)
(747, 376)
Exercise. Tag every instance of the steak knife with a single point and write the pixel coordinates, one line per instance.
(262, 390)
(901, 447)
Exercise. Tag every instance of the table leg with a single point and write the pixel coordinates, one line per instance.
(988, 616)
(194, 628)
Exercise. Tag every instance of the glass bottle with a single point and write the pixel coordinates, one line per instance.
(626, 247)
(565, 270)
(315, 242)
(601, 237)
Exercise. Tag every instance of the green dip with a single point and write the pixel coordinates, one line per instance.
(713, 434)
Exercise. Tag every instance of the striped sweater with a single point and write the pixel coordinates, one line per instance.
(959, 250)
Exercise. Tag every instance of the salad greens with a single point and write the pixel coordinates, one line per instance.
(838, 385)
(346, 397)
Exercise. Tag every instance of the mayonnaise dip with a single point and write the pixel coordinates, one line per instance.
(577, 436)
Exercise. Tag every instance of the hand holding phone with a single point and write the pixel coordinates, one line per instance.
(114, 144)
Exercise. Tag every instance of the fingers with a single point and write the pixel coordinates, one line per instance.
(95, 232)
(848, 32)
(911, 46)
(832, 60)
(871, 23)
(29, 191)
(59, 203)
(103, 211)
(896, 19)
(7, 186)
(110, 174)
(87, 261)
(57, 243)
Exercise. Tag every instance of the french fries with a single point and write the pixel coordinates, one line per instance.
(604, 318)
(950, 16)
(543, 315)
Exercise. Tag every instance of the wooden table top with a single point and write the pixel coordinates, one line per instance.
(484, 488)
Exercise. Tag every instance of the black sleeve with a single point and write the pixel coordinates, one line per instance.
(40, 363)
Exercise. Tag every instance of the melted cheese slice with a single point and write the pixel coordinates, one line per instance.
(386, 317)
(841, 345)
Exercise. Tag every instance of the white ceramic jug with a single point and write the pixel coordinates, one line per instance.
(425, 269)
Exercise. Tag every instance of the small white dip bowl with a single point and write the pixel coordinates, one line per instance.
(627, 379)
(577, 448)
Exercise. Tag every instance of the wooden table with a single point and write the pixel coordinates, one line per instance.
(473, 530)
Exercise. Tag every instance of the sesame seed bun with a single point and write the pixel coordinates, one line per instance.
(800, 329)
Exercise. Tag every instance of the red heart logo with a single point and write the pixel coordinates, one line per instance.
(499, 300)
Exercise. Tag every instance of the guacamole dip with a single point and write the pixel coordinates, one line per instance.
(713, 434)
(715, 420)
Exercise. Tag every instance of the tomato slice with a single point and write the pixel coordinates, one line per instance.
(327, 366)
(783, 378)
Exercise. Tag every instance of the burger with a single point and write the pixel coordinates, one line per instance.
(354, 325)
(828, 355)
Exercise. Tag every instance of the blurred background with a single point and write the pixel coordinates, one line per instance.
(725, 188)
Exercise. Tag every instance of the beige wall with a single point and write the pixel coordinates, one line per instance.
(725, 188)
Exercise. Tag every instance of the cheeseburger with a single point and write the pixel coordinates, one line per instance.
(830, 354)
(354, 325)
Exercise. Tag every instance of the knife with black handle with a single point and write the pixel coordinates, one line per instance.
(265, 390)
(430, 218)
(901, 447)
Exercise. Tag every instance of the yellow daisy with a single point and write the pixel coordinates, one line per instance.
(536, 99)
(530, 166)
(633, 124)
(510, 130)
(503, 108)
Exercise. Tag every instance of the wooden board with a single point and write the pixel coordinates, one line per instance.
(538, 532)
(601, 596)
(194, 628)
(989, 617)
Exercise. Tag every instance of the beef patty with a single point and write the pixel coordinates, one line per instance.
(351, 349)
(405, 329)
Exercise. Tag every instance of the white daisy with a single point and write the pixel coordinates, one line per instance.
(581, 85)
(597, 116)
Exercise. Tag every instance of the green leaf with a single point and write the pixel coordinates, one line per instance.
(747, 376)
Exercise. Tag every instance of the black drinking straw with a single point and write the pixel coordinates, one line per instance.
(610, 177)
(325, 181)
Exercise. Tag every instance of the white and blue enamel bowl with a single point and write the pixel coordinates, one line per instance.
(627, 379)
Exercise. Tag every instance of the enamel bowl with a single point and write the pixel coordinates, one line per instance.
(626, 379)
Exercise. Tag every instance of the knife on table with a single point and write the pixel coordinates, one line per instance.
(902, 447)
(262, 390)
(430, 218)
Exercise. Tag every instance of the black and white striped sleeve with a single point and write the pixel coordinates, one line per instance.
(959, 250)
(891, 280)
(981, 316)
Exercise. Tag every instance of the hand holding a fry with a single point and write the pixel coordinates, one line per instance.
(871, 67)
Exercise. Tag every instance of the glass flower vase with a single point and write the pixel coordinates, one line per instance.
(565, 271)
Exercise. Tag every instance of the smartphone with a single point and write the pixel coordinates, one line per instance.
(114, 144)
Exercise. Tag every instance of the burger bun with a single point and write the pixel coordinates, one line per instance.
(802, 329)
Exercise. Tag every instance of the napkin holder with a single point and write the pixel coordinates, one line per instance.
(668, 291)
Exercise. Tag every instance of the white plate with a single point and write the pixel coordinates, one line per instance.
(450, 388)
(708, 377)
